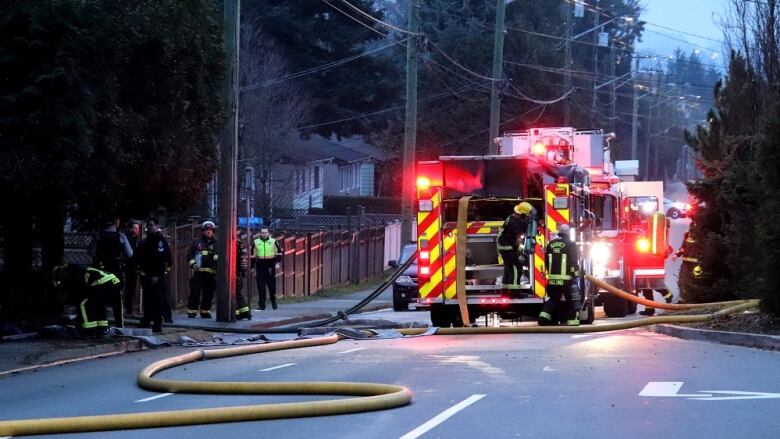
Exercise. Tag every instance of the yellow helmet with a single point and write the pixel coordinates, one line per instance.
(523, 208)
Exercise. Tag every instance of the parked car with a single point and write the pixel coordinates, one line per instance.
(676, 209)
(405, 288)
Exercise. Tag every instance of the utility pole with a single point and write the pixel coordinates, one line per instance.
(498, 61)
(410, 129)
(613, 105)
(656, 154)
(227, 174)
(593, 118)
(635, 113)
(567, 56)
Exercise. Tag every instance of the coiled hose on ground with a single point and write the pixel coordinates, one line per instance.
(371, 396)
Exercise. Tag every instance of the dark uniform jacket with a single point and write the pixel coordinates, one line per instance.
(510, 232)
(154, 255)
(561, 260)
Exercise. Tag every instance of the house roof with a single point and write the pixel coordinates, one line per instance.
(317, 148)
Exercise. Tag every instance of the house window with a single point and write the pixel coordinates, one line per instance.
(316, 179)
(297, 182)
(356, 175)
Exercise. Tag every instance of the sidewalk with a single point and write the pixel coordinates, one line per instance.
(30, 353)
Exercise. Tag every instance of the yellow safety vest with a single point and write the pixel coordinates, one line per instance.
(265, 249)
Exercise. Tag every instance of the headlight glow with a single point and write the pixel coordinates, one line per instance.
(600, 253)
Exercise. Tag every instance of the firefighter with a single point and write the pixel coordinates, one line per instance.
(93, 289)
(242, 306)
(562, 270)
(202, 257)
(266, 255)
(131, 270)
(111, 251)
(691, 263)
(509, 236)
(154, 261)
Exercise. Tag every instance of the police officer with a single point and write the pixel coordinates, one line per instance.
(154, 262)
(267, 254)
(111, 251)
(242, 306)
(648, 293)
(202, 257)
(562, 269)
(93, 290)
(508, 244)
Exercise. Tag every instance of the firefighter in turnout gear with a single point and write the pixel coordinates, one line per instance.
(242, 306)
(562, 271)
(93, 290)
(691, 263)
(510, 234)
(266, 255)
(648, 293)
(202, 257)
(111, 252)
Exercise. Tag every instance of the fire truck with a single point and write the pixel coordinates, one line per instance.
(626, 243)
(462, 201)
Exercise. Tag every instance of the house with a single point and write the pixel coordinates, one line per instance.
(318, 167)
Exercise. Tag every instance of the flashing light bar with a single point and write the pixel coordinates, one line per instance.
(539, 149)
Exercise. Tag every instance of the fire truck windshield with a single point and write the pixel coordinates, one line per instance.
(605, 209)
(640, 208)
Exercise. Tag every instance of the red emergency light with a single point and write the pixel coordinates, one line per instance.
(643, 245)
(425, 255)
(539, 148)
(423, 182)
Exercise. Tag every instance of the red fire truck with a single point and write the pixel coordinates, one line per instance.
(626, 243)
(475, 194)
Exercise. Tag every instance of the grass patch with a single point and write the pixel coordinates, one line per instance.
(338, 291)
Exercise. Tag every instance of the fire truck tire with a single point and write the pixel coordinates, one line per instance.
(631, 307)
(588, 310)
(615, 306)
(439, 316)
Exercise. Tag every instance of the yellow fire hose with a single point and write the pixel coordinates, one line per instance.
(371, 396)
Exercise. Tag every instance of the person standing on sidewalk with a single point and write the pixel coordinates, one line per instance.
(154, 262)
(266, 255)
(131, 270)
(202, 257)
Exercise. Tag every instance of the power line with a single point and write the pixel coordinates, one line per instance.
(383, 23)
(354, 19)
(321, 68)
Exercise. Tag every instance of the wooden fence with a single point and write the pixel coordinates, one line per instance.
(311, 261)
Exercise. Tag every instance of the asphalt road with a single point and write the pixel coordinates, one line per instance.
(629, 383)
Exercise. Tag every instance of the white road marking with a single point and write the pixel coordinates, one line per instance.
(151, 398)
(582, 335)
(351, 350)
(548, 369)
(441, 417)
(277, 367)
(739, 395)
(665, 389)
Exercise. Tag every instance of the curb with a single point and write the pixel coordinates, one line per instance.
(759, 341)
(59, 357)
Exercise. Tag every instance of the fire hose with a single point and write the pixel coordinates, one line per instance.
(370, 396)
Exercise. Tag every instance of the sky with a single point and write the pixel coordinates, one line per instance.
(700, 17)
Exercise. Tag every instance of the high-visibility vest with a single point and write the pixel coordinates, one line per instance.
(265, 249)
(102, 277)
(561, 262)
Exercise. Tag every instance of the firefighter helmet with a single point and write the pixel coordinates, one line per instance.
(208, 225)
(523, 208)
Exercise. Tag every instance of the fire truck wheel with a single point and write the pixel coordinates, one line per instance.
(588, 310)
(615, 306)
(439, 316)
(631, 307)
